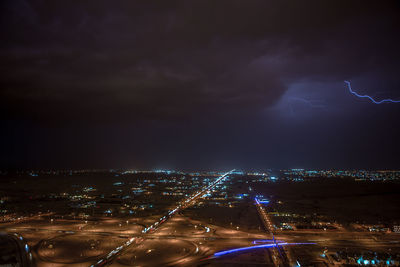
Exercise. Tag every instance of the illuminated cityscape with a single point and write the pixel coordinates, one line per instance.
(147, 218)
(199, 133)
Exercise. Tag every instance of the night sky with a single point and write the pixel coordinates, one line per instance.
(199, 84)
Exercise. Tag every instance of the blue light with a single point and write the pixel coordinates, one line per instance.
(370, 98)
(221, 253)
(262, 201)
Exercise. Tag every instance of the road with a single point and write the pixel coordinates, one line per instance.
(181, 206)
(14, 244)
(279, 256)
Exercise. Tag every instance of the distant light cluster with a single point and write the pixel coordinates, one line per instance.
(299, 174)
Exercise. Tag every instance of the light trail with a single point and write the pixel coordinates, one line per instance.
(183, 204)
(262, 241)
(369, 97)
(222, 253)
(277, 256)
(264, 216)
(186, 203)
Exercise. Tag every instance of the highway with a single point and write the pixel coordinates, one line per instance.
(109, 258)
(14, 244)
(277, 254)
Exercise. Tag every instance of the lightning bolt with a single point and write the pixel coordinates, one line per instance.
(308, 102)
(370, 98)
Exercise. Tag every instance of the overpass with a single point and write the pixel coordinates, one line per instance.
(278, 255)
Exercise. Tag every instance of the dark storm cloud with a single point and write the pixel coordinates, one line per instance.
(135, 59)
(65, 63)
